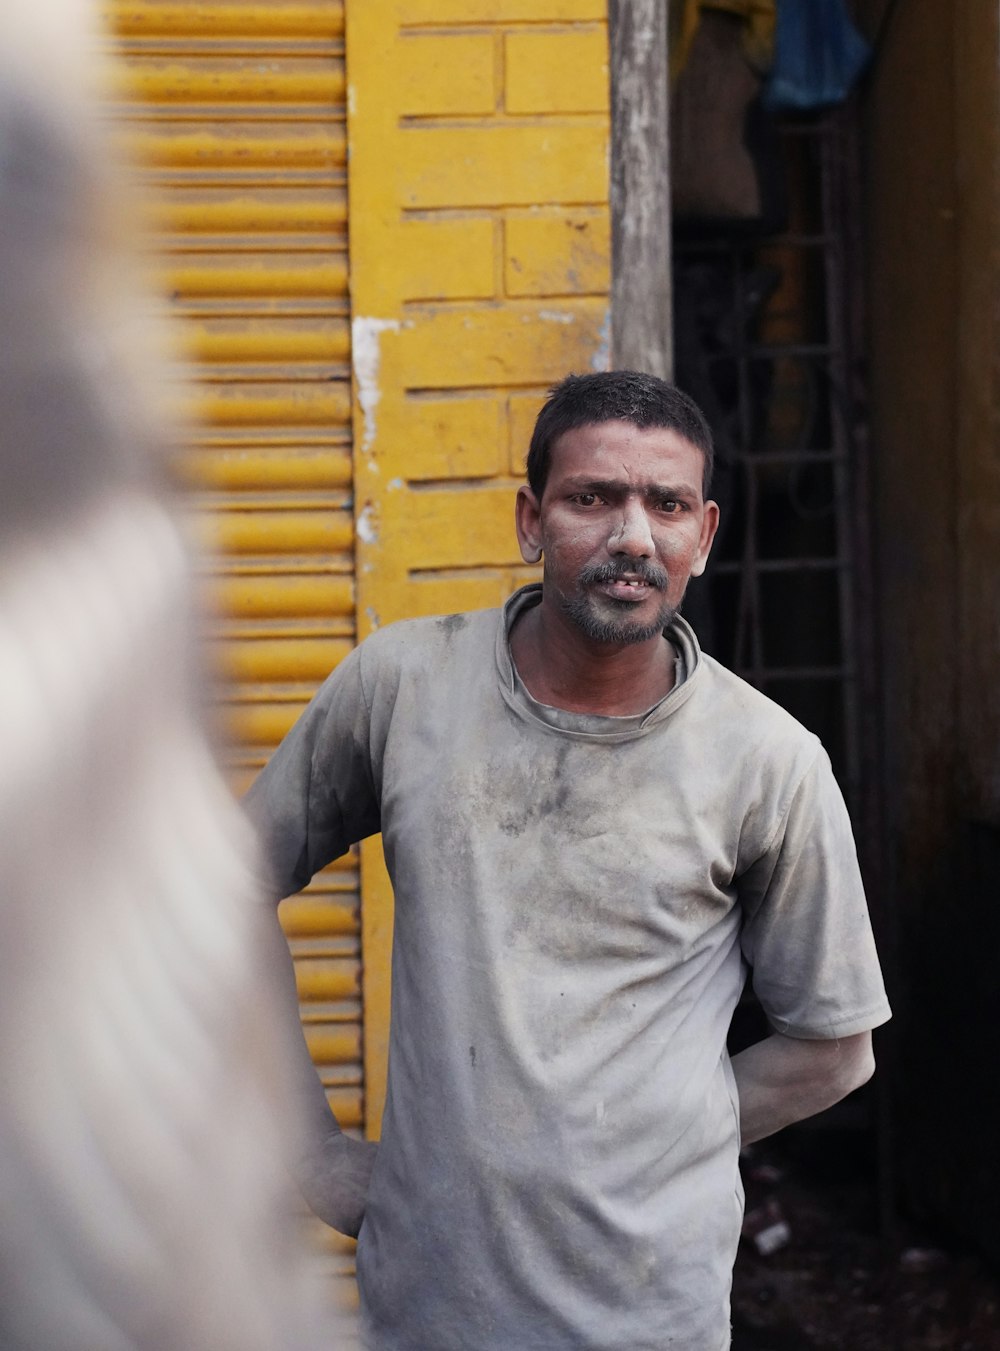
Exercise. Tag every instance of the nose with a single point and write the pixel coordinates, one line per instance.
(631, 535)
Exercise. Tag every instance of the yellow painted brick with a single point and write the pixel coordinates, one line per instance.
(458, 527)
(448, 259)
(499, 11)
(562, 72)
(504, 164)
(441, 595)
(446, 76)
(517, 343)
(564, 254)
(449, 438)
(522, 411)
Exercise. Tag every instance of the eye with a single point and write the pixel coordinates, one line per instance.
(585, 499)
(670, 505)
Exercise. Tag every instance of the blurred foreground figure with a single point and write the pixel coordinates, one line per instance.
(143, 1202)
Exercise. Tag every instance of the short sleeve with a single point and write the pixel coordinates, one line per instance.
(316, 796)
(806, 932)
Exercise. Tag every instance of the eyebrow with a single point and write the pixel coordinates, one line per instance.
(622, 487)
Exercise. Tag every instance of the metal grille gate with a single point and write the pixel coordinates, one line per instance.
(784, 600)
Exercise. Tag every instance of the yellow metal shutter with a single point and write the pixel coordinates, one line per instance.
(234, 113)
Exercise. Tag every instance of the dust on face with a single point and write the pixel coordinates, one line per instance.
(622, 526)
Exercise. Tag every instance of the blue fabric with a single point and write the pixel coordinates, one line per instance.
(818, 55)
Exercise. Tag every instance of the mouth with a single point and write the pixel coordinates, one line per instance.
(631, 590)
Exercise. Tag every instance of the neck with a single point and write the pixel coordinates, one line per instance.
(564, 668)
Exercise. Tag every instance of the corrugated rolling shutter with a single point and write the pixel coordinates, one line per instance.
(234, 112)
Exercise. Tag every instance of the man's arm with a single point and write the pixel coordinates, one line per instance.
(314, 799)
(785, 1079)
(807, 937)
(332, 1170)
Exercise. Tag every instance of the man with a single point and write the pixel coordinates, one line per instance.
(589, 825)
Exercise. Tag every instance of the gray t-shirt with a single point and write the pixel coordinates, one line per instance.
(576, 899)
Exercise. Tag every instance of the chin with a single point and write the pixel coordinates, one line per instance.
(617, 624)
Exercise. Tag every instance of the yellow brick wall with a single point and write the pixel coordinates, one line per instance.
(479, 259)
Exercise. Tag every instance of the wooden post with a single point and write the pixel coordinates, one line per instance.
(641, 321)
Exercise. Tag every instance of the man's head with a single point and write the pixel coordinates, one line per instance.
(615, 396)
(615, 504)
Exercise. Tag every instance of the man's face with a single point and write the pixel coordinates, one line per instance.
(622, 526)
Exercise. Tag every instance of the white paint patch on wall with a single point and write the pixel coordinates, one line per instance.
(365, 526)
(366, 356)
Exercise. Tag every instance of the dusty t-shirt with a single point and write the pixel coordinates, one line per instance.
(576, 899)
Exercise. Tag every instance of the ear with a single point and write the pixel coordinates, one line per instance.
(528, 524)
(709, 525)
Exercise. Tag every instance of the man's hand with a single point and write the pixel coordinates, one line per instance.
(331, 1169)
(334, 1180)
(785, 1079)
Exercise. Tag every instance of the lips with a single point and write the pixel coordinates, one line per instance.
(629, 589)
(638, 571)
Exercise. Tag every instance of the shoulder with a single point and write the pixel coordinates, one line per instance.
(410, 645)
(768, 766)
(754, 751)
(748, 721)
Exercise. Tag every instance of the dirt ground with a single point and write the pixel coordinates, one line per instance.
(832, 1283)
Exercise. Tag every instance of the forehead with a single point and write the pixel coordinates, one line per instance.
(615, 451)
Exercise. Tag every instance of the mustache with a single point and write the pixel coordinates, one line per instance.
(615, 570)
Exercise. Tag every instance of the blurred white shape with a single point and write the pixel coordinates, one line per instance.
(143, 1113)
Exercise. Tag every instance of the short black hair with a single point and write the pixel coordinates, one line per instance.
(615, 396)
